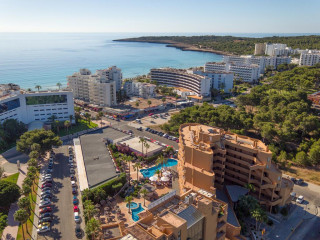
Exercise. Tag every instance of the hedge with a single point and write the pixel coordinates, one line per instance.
(107, 187)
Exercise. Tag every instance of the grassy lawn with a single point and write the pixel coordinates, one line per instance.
(81, 125)
(29, 225)
(12, 178)
(307, 174)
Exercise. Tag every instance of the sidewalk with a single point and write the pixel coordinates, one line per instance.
(11, 231)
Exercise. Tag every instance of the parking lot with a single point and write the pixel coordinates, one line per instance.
(63, 225)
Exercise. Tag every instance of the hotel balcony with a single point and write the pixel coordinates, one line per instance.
(233, 165)
(221, 235)
(247, 156)
(235, 159)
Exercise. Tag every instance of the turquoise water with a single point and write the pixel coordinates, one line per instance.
(151, 171)
(135, 212)
(132, 205)
(29, 59)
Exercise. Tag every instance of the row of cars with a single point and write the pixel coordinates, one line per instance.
(161, 134)
(45, 205)
(75, 200)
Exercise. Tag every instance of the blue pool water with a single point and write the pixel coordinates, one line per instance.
(151, 171)
(135, 212)
(132, 205)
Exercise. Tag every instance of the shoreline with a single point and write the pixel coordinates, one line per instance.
(181, 46)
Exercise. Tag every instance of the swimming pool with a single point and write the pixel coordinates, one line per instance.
(151, 171)
(135, 212)
(132, 205)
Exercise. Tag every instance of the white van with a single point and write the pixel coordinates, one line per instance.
(76, 217)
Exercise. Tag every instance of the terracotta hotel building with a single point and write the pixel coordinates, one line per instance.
(210, 159)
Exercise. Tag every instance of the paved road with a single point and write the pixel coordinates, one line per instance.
(63, 226)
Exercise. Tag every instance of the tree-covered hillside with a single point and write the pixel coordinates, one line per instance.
(234, 45)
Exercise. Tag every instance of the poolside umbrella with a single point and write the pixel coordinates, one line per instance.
(153, 178)
(166, 174)
(165, 179)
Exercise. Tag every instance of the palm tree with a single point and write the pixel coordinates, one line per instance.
(128, 200)
(144, 193)
(21, 216)
(250, 187)
(70, 119)
(142, 141)
(52, 118)
(32, 162)
(163, 100)
(149, 103)
(128, 159)
(147, 146)
(90, 210)
(176, 97)
(67, 124)
(59, 85)
(24, 203)
(26, 190)
(29, 89)
(92, 227)
(38, 87)
(158, 172)
(136, 167)
(260, 216)
(100, 114)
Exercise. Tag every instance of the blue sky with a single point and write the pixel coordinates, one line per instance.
(212, 16)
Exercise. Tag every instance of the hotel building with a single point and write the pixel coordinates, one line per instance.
(34, 106)
(219, 79)
(309, 58)
(192, 215)
(261, 61)
(99, 88)
(248, 73)
(140, 89)
(210, 158)
(199, 85)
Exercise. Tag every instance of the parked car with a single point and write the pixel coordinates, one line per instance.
(147, 129)
(46, 185)
(76, 217)
(45, 209)
(44, 192)
(78, 231)
(43, 229)
(72, 177)
(75, 208)
(41, 225)
(73, 184)
(300, 199)
(293, 179)
(72, 171)
(46, 196)
(139, 129)
(75, 201)
(150, 114)
(47, 219)
(74, 190)
(46, 188)
(293, 195)
(45, 204)
(299, 181)
(45, 215)
(49, 170)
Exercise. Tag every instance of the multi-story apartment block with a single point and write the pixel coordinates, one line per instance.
(198, 84)
(248, 73)
(211, 158)
(140, 89)
(259, 48)
(36, 106)
(309, 58)
(192, 215)
(219, 79)
(261, 61)
(99, 88)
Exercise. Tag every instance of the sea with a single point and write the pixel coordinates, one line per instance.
(44, 59)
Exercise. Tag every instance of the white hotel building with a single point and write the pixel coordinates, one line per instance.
(309, 58)
(140, 89)
(261, 61)
(99, 88)
(36, 106)
(197, 84)
(248, 73)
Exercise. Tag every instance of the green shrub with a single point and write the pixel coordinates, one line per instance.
(117, 187)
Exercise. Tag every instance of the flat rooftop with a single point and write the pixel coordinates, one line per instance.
(98, 163)
(134, 144)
